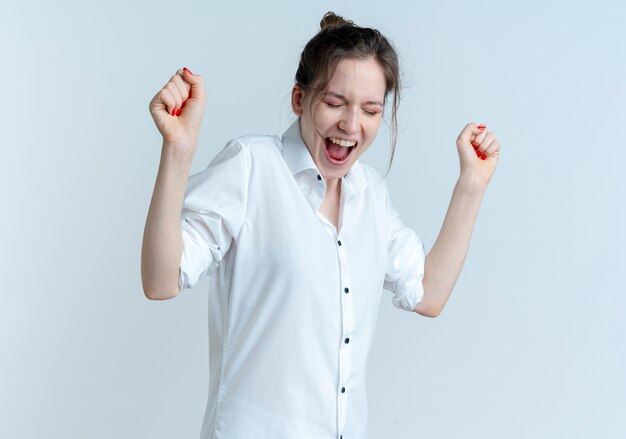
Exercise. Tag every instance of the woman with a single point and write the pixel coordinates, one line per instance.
(299, 239)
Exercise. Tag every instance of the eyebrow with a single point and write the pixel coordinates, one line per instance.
(337, 95)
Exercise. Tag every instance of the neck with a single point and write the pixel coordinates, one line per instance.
(333, 184)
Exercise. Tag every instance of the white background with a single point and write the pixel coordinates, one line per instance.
(532, 341)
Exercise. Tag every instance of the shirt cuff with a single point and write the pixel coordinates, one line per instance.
(408, 292)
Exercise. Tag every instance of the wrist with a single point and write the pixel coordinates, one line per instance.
(177, 156)
(180, 143)
(472, 182)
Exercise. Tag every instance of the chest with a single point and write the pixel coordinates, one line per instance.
(292, 260)
(285, 224)
(330, 207)
(284, 229)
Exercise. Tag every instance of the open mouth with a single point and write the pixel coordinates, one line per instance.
(338, 154)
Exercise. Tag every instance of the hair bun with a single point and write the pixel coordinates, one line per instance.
(330, 19)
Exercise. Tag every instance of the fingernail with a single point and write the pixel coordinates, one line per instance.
(183, 106)
(475, 147)
(188, 71)
(178, 112)
(173, 112)
(483, 156)
(481, 127)
(477, 153)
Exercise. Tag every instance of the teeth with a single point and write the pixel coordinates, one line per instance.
(345, 143)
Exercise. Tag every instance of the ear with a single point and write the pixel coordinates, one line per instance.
(297, 96)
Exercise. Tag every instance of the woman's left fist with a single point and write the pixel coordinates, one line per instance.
(479, 151)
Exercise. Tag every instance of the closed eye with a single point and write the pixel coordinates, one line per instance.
(368, 112)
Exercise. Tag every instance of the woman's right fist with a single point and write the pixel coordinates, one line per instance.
(177, 109)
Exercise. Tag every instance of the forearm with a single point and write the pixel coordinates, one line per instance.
(446, 258)
(162, 246)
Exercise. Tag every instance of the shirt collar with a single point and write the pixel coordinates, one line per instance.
(298, 159)
(295, 152)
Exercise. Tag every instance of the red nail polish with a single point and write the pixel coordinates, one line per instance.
(481, 127)
(477, 153)
(173, 112)
(188, 71)
(475, 147)
(483, 156)
(183, 106)
(178, 112)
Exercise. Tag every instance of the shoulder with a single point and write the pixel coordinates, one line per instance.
(247, 148)
(374, 179)
(261, 152)
(254, 143)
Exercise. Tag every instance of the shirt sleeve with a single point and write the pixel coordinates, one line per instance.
(212, 213)
(405, 262)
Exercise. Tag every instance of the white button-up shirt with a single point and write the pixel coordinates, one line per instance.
(293, 302)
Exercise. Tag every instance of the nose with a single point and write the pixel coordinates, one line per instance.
(349, 121)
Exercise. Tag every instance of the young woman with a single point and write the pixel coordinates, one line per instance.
(299, 240)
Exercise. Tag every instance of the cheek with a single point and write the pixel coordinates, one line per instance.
(372, 128)
(324, 119)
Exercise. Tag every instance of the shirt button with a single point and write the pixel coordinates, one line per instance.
(319, 177)
(339, 243)
(343, 390)
(346, 290)
(347, 340)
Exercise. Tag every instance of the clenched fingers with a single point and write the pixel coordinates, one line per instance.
(174, 93)
(482, 142)
(468, 133)
(182, 86)
(492, 148)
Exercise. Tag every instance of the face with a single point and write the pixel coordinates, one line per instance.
(349, 110)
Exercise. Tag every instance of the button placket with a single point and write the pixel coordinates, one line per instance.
(345, 349)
